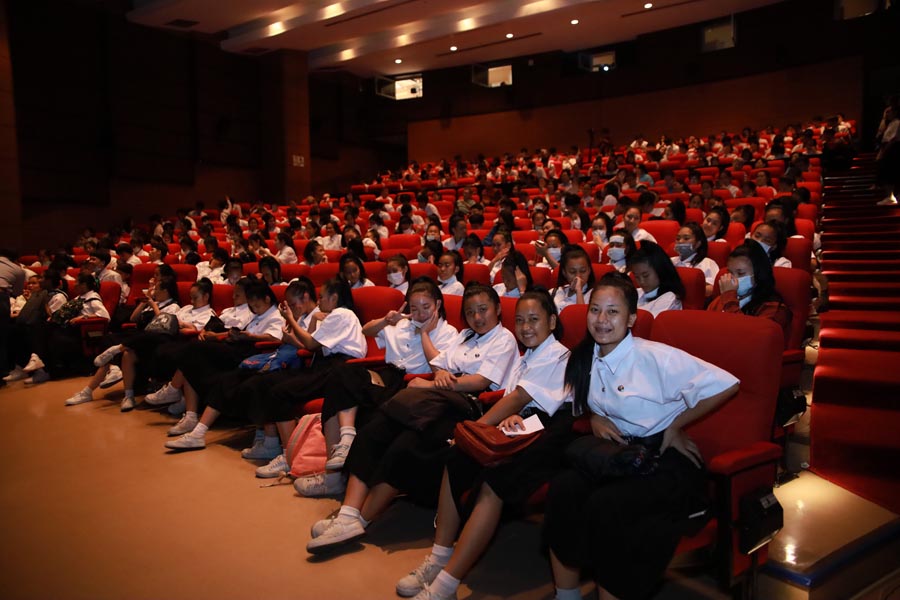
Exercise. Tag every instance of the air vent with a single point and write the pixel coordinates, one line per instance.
(182, 23)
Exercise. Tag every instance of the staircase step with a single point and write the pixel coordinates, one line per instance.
(859, 339)
(890, 289)
(858, 254)
(861, 265)
(861, 319)
(854, 302)
(888, 233)
(857, 378)
(854, 275)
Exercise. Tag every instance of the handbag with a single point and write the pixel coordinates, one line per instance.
(284, 357)
(67, 312)
(163, 323)
(487, 444)
(417, 408)
(215, 325)
(600, 458)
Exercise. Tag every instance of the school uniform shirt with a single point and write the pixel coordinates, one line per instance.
(496, 269)
(134, 260)
(237, 316)
(214, 274)
(655, 304)
(196, 317)
(640, 235)
(452, 287)
(362, 283)
(269, 323)
(783, 262)
(431, 209)
(402, 288)
(563, 296)
(707, 265)
(452, 244)
(501, 290)
(332, 242)
(491, 355)
(286, 256)
(341, 333)
(541, 372)
(55, 300)
(306, 319)
(382, 230)
(643, 386)
(124, 293)
(402, 344)
(93, 306)
(169, 307)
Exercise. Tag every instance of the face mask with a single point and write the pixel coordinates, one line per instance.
(745, 285)
(765, 246)
(554, 253)
(421, 258)
(432, 238)
(451, 278)
(417, 324)
(599, 237)
(684, 250)
(395, 278)
(616, 254)
(513, 293)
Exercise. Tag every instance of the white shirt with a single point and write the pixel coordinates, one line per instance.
(452, 287)
(541, 372)
(501, 290)
(403, 287)
(707, 265)
(451, 244)
(402, 344)
(341, 333)
(643, 386)
(286, 256)
(564, 297)
(491, 355)
(332, 242)
(640, 235)
(196, 317)
(56, 300)
(237, 316)
(655, 305)
(214, 274)
(269, 323)
(783, 262)
(362, 283)
(134, 260)
(93, 306)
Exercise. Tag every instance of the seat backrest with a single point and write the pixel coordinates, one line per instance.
(417, 270)
(453, 306)
(798, 250)
(735, 234)
(402, 240)
(806, 228)
(508, 312)
(574, 322)
(479, 273)
(374, 302)
(322, 272)
(719, 253)
(289, 272)
(756, 361)
(140, 279)
(222, 297)
(663, 231)
(185, 272)
(694, 288)
(110, 293)
(525, 237)
(184, 292)
(693, 214)
(794, 287)
(376, 272)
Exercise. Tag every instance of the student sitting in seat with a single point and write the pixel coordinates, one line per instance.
(692, 246)
(715, 224)
(574, 280)
(398, 273)
(660, 287)
(772, 236)
(631, 222)
(450, 272)
(516, 276)
(621, 246)
(353, 271)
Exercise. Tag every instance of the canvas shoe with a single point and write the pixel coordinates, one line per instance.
(80, 398)
(418, 579)
(113, 377)
(16, 374)
(185, 425)
(321, 484)
(177, 409)
(128, 404)
(34, 363)
(277, 467)
(188, 441)
(338, 457)
(260, 451)
(429, 594)
(107, 355)
(341, 531)
(39, 376)
(164, 395)
(320, 526)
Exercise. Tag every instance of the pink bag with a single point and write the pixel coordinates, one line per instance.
(306, 450)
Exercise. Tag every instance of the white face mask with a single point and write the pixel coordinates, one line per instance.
(554, 253)
(599, 237)
(395, 278)
(417, 324)
(616, 254)
(449, 279)
(433, 238)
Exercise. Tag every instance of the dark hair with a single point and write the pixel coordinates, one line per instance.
(339, 286)
(89, 281)
(189, 243)
(763, 276)
(455, 219)
(426, 285)
(780, 239)
(300, 286)
(543, 297)
(310, 251)
(204, 285)
(457, 260)
(348, 258)
(403, 262)
(652, 255)
(102, 255)
(578, 369)
(473, 242)
(678, 210)
(170, 284)
(220, 255)
(161, 247)
(573, 253)
(473, 288)
(270, 263)
(516, 259)
(244, 283)
(703, 249)
(258, 289)
(356, 248)
(563, 238)
(191, 258)
(286, 240)
(749, 213)
(724, 216)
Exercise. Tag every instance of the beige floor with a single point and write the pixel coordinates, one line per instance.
(92, 506)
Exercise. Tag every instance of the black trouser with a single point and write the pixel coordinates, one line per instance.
(277, 398)
(5, 337)
(350, 386)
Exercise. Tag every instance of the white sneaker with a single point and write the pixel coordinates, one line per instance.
(80, 398)
(890, 200)
(260, 451)
(428, 594)
(164, 395)
(113, 376)
(320, 526)
(16, 374)
(321, 484)
(185, 425)
(418, 579)
(338, 456)
(34, 363)
(277, 467)
(341, 531)
(188, 441)
(39, 376)
(178, 408)
(127, 404)
(107, 355)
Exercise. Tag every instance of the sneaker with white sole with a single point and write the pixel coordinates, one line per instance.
(338, 457)
(321, 484)
(113, 376)
(277, 467)
(128, 404)
(107, 355)
(39, 376)
(80, 398)
(188, 441)
(341, 531)
(185, 425)
(165, 395)
(16, 374)
(260, 451)
(34, 363)
(428, 594)
(177, 409)
(320, 526)
(418, 579)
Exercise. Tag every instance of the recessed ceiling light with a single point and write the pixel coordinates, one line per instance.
(509, 36)
(606, 67)
(574, 21)
(648, 5)
(453, 48)
(398, 60)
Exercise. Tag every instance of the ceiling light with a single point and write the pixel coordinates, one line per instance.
(574, 21)
(606, 67)
(648, 5)
(398, 60)
(453, 48)
(509, 36)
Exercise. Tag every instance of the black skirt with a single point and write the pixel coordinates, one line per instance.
(203, 363)
(624, 531)
(350, 386)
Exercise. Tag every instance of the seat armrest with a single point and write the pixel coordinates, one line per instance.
(490, 398)
(733, 462)
(410, 376)
(269, 345)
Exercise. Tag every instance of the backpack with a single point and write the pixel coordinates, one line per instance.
(306, 452)
(67, 312)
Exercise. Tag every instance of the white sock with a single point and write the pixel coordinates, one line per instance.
(200, 430)
(271, 441)
(188, 414)
(572, 594)
(444, 584)
(348, 430)
(441, 554)
(87, 390)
